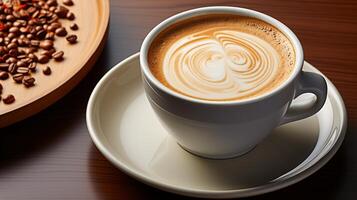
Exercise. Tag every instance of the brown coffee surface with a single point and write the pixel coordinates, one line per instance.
(221, 57)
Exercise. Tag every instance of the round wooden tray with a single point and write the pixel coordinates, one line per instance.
(92, 17)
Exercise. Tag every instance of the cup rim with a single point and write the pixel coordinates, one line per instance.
(299, 56)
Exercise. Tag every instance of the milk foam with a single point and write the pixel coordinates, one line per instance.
(223, 62)
(220, 64)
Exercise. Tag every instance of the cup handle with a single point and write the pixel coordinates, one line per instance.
(308, 82)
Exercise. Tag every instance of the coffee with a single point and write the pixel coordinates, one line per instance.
(221, 57)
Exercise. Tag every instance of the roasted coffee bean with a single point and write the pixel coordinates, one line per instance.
(21, 42)
(38, 28)
(31, 9)
(48, 52)
(51, 51)
(27, 60)
(12, 68)
(12, 45)
(46, 7)
(68, 2)
(26, 41)
(31, 29)
(50, 36)
(70, 16)
(3, 50)
(11, 60)
(29, 36)
(41, 3)
(61, 11)
(7, 40)
(16, 23)
(4, 66)
(21, 64)
(11, 35)
(10, 18)
(42, 16)
(41, 34)
(16, 14)
(54, 18)
(23, 13)
(4, 75)
(32, 66)
(8, 25)
(21, 51)
(14, 30)
(46, 44)
(56, 25)
(51, 3)
(74, 27)
(14, 40)
(28, 81)
(35, 15)
(43, 59)
(58, 55)
(47, 71)
(61, 32)
(21, 56)
(32, 56)
(22, 70)
(4, 58)
(7, 11)
(24, 29)
(72, 39)
(18, 78)
(22, 22)
(51, 28)
(13, 52)
(35, 43)
(30, 50)
(52, 8)
(9, 99)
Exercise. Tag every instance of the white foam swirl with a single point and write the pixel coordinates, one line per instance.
(219, 64)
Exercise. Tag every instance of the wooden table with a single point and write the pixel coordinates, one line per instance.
(51, 156)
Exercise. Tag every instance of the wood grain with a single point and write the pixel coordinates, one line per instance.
(51, 156)
(65, 74)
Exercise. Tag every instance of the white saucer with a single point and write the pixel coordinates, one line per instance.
(125, 129)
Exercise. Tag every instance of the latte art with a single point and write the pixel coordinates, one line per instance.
(220, 63)
(221, 57)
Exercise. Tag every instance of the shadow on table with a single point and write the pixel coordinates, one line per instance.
(110, 183)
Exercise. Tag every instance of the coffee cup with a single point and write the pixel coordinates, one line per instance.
(225, 128)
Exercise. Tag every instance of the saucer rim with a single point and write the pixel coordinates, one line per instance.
(246, 192)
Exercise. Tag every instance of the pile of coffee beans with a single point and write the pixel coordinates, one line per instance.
(28, 30)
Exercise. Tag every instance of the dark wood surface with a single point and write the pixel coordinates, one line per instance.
(51, 156)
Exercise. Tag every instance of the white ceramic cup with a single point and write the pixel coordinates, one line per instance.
(225, 129)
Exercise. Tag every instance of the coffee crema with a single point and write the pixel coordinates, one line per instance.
(221, 57)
